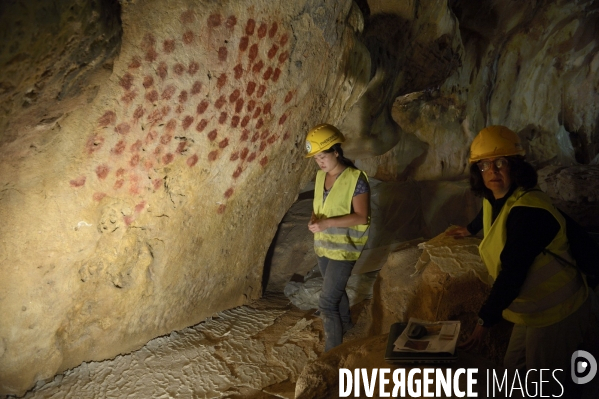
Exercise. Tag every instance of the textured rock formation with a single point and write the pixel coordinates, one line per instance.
(413, 46)
(235, 354)
(531, 66)
(144, 170)
(575, 190)
(292, 248)
(400, 211)
(439, 279)
(151, 205)
(320, 379)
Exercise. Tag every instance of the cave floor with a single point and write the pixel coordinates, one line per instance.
(253, 351)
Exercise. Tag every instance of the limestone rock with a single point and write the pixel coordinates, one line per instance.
(292, 248)
(439, 279)
(146, 164)
(150, 205)
(414, 46)
(424, 281)
(234, 354)
(530, 66)
(574, 190)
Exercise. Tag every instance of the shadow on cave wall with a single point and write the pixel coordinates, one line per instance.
(62, 44)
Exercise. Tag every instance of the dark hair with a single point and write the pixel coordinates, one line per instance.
(522, 174)
(341, 158)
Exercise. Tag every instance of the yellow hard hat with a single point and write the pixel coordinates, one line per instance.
(322, 137)
(495, 141)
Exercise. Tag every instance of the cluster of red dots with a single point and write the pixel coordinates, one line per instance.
(171, 105)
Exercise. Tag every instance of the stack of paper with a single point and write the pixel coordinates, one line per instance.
(441, 336)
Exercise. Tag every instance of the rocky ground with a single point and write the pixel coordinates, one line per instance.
(254, 351)
(272, 348)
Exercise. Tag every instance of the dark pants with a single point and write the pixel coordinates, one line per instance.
(334, 303)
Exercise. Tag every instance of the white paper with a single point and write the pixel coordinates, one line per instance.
(442, 336)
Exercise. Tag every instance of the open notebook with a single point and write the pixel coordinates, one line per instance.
(437, 346)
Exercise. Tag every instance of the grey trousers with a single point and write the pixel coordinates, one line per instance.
(333, 302)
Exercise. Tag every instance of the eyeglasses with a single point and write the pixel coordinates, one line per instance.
(486, 165)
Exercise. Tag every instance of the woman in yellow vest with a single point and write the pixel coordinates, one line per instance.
(340, 221)
(545, 298)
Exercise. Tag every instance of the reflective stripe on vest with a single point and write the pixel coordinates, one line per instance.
(339, 243)
(551, 291)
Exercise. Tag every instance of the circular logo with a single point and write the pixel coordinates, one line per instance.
(583, 367)
(308, 146)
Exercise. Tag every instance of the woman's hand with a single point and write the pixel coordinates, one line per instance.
(458, 232)
(361, 205)
(476, 338)
(318, 225)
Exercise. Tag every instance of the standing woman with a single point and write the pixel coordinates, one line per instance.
(340, 221)
(547, 299)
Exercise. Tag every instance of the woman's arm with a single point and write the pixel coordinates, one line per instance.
(476, 224)
(473, 227)
(360, 205)
(528, 232)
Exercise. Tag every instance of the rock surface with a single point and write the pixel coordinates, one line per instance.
(152, 206)
(400, 211)
(148, 153)
(575, 190)
(531, 66)
(320, 379)
(439, 279)
(234, 354)
(271, 348)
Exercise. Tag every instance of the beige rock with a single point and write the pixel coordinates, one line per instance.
(235, 354)
(439, 279)
(152, 206)
(144, 171)
(531, 68)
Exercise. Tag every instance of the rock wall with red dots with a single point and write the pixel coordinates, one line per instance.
(187, 101)
(152, 205)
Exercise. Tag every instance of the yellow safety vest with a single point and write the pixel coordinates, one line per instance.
(339, 243)
(551, 291)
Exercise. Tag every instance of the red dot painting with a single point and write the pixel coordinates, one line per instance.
(187, 121)
(208, 94)
(193, 68)
(102, 171)
(188, 37)
(135, 63)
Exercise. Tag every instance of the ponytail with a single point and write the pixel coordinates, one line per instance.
(341, 158)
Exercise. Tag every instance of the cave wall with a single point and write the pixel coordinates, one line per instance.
(532, 66)
(149, 203)
(148, 152)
